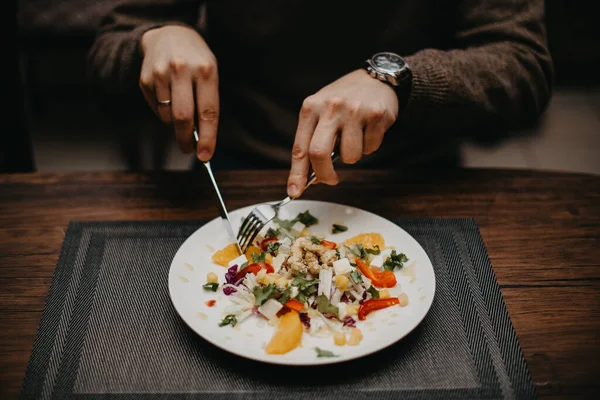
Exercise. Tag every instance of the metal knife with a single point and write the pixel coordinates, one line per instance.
(222, 208)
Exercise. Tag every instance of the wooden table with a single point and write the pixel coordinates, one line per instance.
(541, 229)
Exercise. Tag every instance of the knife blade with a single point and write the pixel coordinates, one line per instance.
(222, 209)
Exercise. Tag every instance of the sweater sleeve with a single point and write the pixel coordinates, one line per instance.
(115, 59)
(498, 74)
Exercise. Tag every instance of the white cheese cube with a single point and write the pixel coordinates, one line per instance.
(377, 261)
(295, 292)
(325, 277)
(270, 308)
(237, 261)
(277, 261)
(342, 266)
(342, 310)
(297, 228)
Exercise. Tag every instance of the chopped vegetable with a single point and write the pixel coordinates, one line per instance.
(384, 279)
(359, 251)
(315, 240)
(210, 303)
(374, 292)
(328, 245)
(255, 269)
(395, 261)
(305, 320)
(294, 304)
(211, 286)
(271, 233)
(356, 276)
(230, 275)
(341, 282)
(349, 321)
(225, 255)
(324, 353)
(325, 307)
(375, 250)
(229, 320)
(265, 293)
(307, 219)
(339, 338)
(368, 240)
(376, 304)
(259, 257)
(288, 334)
(336, 228)
(355, 337)
(244, 265)
(270, 308)
(212, 277)
(384, 294)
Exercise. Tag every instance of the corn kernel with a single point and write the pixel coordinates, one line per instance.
(339, 338)
(355, 337)
(384, 294)
(341, 281)
(281, 281)
(403, 299)
(352, 309)
(212, 277)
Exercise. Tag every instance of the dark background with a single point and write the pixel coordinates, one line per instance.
(52, 40)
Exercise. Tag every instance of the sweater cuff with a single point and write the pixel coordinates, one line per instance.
(429, 89)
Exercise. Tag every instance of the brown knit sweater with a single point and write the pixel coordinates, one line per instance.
(480, 67)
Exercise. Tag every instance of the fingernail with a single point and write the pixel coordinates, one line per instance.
(293, 190)
(204, 155)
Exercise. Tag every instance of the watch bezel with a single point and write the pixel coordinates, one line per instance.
(395, 78)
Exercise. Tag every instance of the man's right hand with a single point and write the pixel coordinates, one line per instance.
(179, 66)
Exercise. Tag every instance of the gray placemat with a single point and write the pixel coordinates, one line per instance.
(109, 329)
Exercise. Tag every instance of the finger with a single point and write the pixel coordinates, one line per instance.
(351, 143)
(373, 138)
(320, 149)
(182, 111)
(307, 122)
(162, 92)
(147, 87)
(207, 100)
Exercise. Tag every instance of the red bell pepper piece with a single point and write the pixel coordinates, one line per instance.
(328, 245)
(376, 304)
(263, 244)
(255, 269)
(294, 305)
(385, 279)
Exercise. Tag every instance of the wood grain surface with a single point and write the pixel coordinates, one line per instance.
(541, 230)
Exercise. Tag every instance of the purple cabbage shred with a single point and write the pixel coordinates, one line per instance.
(305, 320)
(229, 290)
(349, 321)
(345, 299)
(230, 275)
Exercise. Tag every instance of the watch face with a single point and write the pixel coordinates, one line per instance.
(389, 62)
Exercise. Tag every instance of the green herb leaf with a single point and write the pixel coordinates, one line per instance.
(337, 253)
(272, 247)
(359, 251)
(285, 296)
(211, 286)
(374, 292)
(272, 233)
(354, 265)
(244, 265)
(229, 320)
(336, 228)
(324, 353)
(301, 297)
(356, 277)
(315, 240)
(395, 261)
(325, 307)
(306, 218)
(259, 257)
(376, 251)
(262, 294)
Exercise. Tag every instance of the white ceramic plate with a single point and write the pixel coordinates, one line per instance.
(248, 339)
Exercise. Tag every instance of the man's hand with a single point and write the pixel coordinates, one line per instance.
(179, 66)
(358, 108)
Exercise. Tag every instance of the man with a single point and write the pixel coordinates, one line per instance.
(293, 77)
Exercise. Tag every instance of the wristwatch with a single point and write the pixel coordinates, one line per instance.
(391, 69)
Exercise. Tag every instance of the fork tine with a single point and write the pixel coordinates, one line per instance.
(247, 228)
(244, 226)
(256, 231)
(248, 232)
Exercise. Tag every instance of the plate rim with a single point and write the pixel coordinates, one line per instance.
(324, 360)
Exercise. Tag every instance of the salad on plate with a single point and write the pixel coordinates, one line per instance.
(306, 285)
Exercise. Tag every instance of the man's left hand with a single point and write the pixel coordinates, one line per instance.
(357, 108)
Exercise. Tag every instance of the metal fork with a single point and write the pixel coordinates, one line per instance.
(262, 214)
